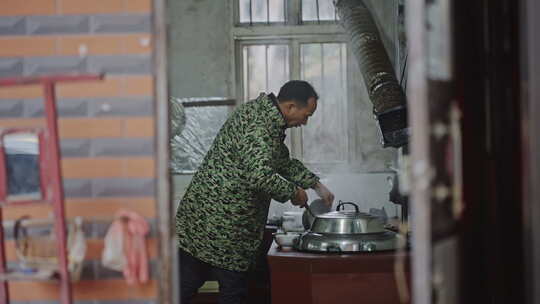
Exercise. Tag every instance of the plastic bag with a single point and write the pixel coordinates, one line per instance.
(41, 252)
(113, 254)
(125, 247)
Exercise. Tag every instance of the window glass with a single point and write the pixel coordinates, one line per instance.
(327, 10)
(324, 138)
(265, 69)
(309, 10)
(259, 10)
(318, 10)
(244, 10)
(262, 11)
(277, 11)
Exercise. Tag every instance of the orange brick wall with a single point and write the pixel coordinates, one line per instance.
(108, 159)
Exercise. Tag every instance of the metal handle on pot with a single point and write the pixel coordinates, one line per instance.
(357, 210)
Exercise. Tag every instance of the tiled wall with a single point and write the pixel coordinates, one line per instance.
(106, 127)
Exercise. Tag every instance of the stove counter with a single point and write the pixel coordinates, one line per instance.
(302, 277)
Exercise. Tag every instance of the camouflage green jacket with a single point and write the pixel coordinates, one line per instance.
(222, 215)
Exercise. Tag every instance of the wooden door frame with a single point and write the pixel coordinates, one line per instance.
(166, 265)
(166, 269)
(530, 46)
(418, 112)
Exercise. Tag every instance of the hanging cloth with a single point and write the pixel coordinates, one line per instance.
(125, 246)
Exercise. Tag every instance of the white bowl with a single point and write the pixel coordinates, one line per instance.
(286, 239)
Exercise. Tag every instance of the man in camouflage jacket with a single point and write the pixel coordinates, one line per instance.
(221, 218)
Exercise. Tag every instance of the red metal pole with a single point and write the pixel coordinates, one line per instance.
(52, 190)
(11, 81)
(57, 191)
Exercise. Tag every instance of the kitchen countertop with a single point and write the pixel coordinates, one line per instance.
(319, 262)
(366, 277)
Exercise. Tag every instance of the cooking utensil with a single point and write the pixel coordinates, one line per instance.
(309, 210)
(316, 208)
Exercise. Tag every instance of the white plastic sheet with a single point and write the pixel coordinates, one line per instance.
(193, 130)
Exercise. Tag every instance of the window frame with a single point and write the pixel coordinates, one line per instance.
(294, 33)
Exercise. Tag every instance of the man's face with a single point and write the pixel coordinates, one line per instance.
(298, 116)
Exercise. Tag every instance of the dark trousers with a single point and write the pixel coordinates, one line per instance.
(194, 272)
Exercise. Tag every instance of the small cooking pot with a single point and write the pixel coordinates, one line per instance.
(347, 221)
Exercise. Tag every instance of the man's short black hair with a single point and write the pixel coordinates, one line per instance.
(297, 90)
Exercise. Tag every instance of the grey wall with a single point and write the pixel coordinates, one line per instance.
(200, 51)
(370, 154)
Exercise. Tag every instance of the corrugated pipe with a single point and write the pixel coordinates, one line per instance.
(385, 92)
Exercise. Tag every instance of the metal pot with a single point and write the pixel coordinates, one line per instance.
(347, 222)
(346, 231)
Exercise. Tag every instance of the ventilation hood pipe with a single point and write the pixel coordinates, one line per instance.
(386, 94)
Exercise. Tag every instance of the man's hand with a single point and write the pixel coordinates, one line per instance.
(324, 193)
(300, 197)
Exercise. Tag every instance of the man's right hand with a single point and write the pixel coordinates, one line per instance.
(300, 197)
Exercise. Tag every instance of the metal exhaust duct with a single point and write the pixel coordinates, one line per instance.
(386, 94)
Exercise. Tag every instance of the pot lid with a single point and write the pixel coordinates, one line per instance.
(347, 222)
(341, 213)
(346, 215)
